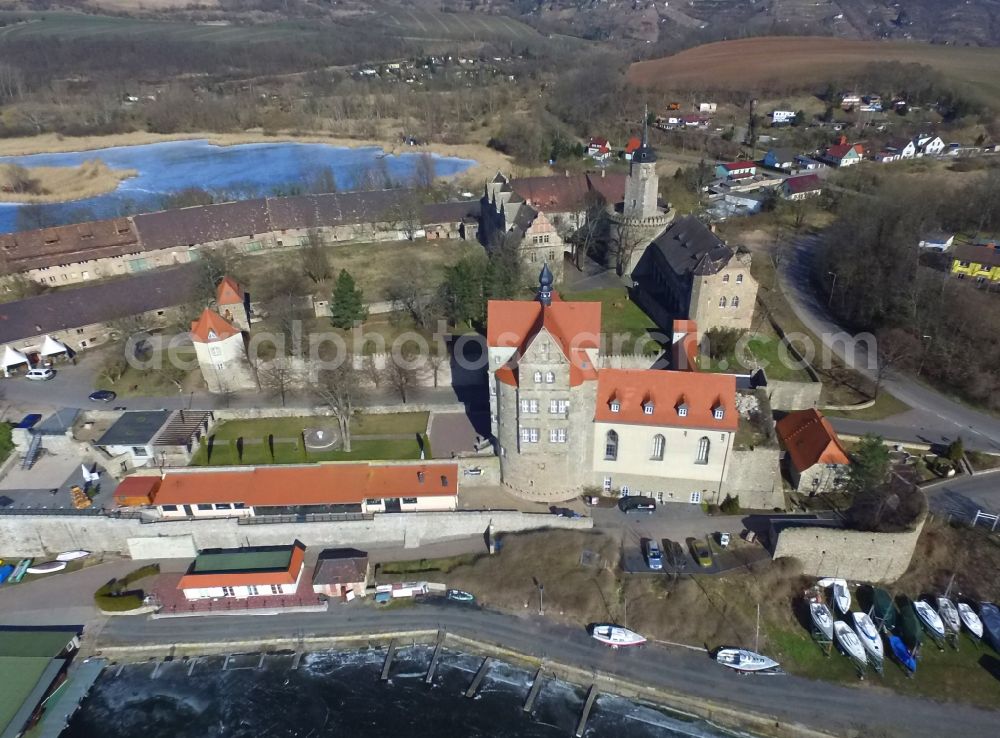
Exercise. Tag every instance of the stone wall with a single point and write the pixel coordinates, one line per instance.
(849, 554)
(42, 535)
(755, 476)
(790, 396)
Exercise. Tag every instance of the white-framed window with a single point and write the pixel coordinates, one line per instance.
(611, 446)
(529, 435)
(557, 435)
(228, 592)
(558, 406)
(722, 301)
(529, 406)
(659, 444)
(703, 446)
(538, 377)
(252, 590)
(695, 498)
(719, 413)
(682, 411)
(615, 406)
(725, 277)
(625, 490)
(648, 408)
(739, 279)
(736, 302)
(550, 377)
(276, 589)
(607, 484)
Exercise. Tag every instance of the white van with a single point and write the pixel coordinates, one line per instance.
(40, 374)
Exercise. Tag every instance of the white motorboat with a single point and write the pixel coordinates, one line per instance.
(929, 617)
(949, 614)
(47, 568)
(615, 635)
(868, 635)
(822, 618)
(743, 660)
(841, 596)
(72, 555)
(970, 620)
(849, 642)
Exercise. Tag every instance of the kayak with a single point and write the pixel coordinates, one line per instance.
(20, 570)
(902, 654)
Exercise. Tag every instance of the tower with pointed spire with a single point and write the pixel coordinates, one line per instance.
(545, 285)
(643, 184)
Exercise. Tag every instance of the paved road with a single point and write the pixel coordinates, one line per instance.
(938, 415)
(788, 699)
(963, 496)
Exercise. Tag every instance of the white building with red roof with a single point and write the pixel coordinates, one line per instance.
(221, 345)
(563, 422)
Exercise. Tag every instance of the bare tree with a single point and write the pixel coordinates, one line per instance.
(425, 171)
(214, 264)
(406, 214)
(895, 347)
(339, 389)
(315, 261)
(436, 360)
(371, 371)
(627, 240)
(401, 376)
(277, 377)
(409, 295)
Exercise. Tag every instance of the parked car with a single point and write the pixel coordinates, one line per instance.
(676, 558)
(637, 504)
(724, 539)
(40, 375)
(564, 512)
(102, 396)
(654, 557)
(700, 551)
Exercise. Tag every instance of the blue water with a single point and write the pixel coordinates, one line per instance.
(337, 695)
(246, 170)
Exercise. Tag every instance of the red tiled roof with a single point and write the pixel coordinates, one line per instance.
(702, 393)
(317, 484)
(137, 490)
(810, 439)
(734, 166)
(839, 151)
(633, 143)
(803, 183)
(566, 194)
(229, 292)
(574, 326)
(245, 578)
(598, 141)
(211, 326)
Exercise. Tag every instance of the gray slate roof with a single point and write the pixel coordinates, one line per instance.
(689, 247)
(81, 306)
(135, 428)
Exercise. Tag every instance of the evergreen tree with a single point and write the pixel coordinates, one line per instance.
(347, 305)
(870, 467)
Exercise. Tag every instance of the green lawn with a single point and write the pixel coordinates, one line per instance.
(622, 321)
(363, 425)
(259, 454)
(767, 352)
(885, 406)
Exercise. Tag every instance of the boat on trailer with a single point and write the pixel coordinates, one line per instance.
(822, 618)
(990, 615)
(616, 636)
(949, 614)
(931, 620)
(849, 642)
(743, 660)
(902, 653)
(841, 596)
(970, 620)
(869, 636)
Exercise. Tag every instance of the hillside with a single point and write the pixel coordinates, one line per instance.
(783, 63)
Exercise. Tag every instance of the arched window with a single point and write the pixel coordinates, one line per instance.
(722, 302)
(736, 301)
(538, 376)
(739, 279)
(550, 377)
(659, 443)
(703, 445)
(611, 446)
(725, 277)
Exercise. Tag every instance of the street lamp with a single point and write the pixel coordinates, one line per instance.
(541, 599)
(832, 288)
(923, 353)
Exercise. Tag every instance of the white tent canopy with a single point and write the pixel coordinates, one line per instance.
(51, 347)
(12, 357)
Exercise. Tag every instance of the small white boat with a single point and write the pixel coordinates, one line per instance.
(970, 620)
(949, 615)
(868, 635)
(929, 617)
(841, 596)
(47, 568)
(849, 642)
(615, 635)
(826, 582)
(72, 555)
(822, 618)
(743, 660)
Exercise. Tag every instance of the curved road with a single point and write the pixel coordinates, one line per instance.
(829, 707)
(934, 418)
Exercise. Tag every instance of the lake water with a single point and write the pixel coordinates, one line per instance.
(246, 170)
(338, 694)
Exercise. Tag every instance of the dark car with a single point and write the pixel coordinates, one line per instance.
(637, 504)
(102, 396)
(676, 558)
(564, 512)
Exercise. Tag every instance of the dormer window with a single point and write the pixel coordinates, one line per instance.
(682, 410)
(647, 408)
(719, 412)
(616, 406)
(420, 477)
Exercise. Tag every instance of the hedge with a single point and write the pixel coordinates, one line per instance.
(115, 597)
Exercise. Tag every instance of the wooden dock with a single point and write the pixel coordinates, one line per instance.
(536, 686)
(582, 725)
(474, 687)
(435, 658)
(388, 661)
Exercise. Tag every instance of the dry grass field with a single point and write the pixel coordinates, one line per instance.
(63, 184)
(783, 62)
